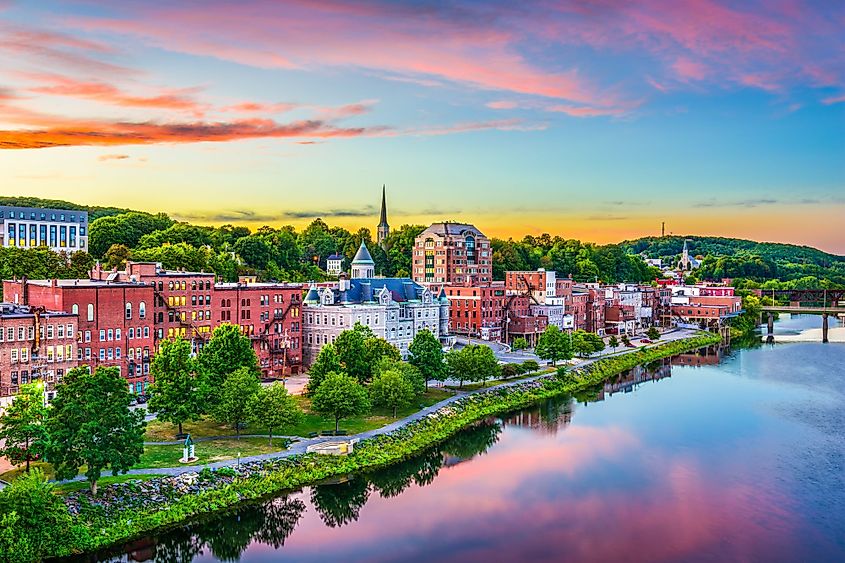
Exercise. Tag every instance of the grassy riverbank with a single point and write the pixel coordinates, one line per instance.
(184, 498)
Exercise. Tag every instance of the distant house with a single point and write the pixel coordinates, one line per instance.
(334, 265)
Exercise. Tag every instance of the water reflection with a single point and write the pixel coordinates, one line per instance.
(650, 477)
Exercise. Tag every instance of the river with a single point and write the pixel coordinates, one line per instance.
(710, 457)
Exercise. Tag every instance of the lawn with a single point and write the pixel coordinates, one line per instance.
(208, 452)
(312, 422)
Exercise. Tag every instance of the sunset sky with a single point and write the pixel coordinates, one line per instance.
(589, 119)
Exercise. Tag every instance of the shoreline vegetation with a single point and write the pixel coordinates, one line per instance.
(127, 511)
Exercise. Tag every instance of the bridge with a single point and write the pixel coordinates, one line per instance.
(822, 302)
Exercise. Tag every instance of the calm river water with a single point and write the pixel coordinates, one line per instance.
(738, 457)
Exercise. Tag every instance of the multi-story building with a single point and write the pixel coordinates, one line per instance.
(191, 305)
(115, 321)
(477, 310)
(547, 297)
(395, 309)
(271, 315)
(31, 227)
(452, 253)
(124, 315)
(35, 346)
(334, 265)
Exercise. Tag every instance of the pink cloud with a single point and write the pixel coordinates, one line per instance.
(688, 69)
(502, 104)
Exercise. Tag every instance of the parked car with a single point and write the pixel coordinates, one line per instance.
(141, 399)
(645, 341)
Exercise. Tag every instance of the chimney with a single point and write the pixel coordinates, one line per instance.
(24, 291)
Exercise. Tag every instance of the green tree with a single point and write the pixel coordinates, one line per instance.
(625, 340)
(474, 362)
(327, 361)
(117, 255)
(236, 393)
(613, 342)
(426, 353)
(351, 347)
(392, 390)
(520, 343)
(90, 424)
(274, 408)
(530, 365)
(378, 349)
(340, 396)
(174, 395)
(22, 432)
(36, 519)
(653, 333)
(125, 228)
(410, 372)
(227, 351)
(553, 345)
(510, 370)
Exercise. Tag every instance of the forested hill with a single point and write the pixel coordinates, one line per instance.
(670, 246)
(94, 211)
(749, 261)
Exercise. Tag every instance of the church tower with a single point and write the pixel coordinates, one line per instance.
(363, 266)
(383, 228)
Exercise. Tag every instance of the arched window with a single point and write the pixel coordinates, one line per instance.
(129, 310)
(90, 311)
(74, 309)
(142, 310)
(469, 244)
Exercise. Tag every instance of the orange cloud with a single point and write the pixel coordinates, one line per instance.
(101, 133)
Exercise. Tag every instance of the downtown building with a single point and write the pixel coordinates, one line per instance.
(36, 346)
(395, 309)
(452, 253)
(60, 230)
(124, 315)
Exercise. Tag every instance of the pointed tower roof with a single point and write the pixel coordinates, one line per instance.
(383, 221)
(363, 255)
(312, 297)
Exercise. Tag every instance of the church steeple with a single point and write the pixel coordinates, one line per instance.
(383, 228)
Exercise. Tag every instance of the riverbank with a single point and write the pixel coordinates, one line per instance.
(127, 511)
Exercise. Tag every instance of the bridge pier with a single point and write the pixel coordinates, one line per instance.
(770, 327)
(824, 327)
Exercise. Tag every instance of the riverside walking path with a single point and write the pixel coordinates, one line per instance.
(301, 446)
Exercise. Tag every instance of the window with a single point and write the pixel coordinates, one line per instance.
(10, 334)
(110, 335)
(74, 309)
(90, 311)
(61, 331)
(129, 310)
(50, 331)
(117, 334)
(146, 332)
(142, 310)
(69, 331)
(117, 353)
(102, 335)
(87, 336)
(13, 355)
(131, 333)
(88, 353)
(102, 354)
(110, 353)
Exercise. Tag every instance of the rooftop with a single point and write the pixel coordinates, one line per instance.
(447, 228)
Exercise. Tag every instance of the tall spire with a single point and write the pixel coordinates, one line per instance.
(383, 228)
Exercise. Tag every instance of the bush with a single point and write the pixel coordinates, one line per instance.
(509, 370)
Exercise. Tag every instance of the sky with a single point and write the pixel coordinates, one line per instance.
(595, 119)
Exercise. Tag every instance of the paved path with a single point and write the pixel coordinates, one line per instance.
(301, 446)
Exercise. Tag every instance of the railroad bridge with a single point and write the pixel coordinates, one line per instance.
(824, 302)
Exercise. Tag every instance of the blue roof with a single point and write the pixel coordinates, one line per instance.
(364, 290)
(335, 257)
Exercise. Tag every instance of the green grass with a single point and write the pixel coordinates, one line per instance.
(158, 431)
(208, 452)
(66, 488)
(13, 474)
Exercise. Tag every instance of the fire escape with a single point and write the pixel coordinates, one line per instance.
(265, 333)
(508, 312)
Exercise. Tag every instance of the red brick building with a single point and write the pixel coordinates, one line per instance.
(477, 310)
(35, 346)
(452, 253)
(123, 315)
(115, 321)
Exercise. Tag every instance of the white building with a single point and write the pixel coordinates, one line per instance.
(395, 309)
(334, 265)
(32, 227)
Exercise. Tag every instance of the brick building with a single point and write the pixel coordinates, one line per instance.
(452, 253)
(115, 321)
(477, 310)
(35, 346)
(123, 315)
